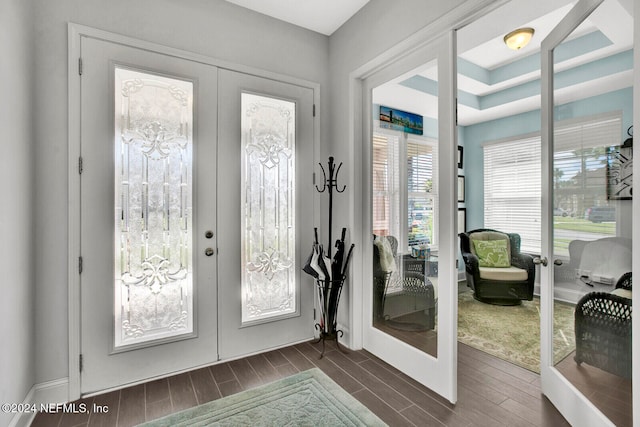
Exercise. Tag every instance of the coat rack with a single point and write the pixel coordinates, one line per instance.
(329, 274)
(330, 184)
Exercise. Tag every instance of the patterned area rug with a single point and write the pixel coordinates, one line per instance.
(512, 333)
(309, 398)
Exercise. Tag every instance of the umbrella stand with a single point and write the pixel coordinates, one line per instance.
(330, 288)
(329, 292)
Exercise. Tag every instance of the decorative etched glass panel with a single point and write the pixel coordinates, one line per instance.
(268, 208)
(153, 207)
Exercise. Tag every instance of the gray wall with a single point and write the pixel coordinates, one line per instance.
(17, 259)
(210, 27)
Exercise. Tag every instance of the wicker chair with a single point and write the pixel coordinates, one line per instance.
(413, 284)
(603, 330)
(493, 290)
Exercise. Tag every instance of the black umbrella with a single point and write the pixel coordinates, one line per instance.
(346, 263)
(308, 265)
(338, 258)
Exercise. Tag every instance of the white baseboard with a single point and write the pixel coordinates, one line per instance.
(56, 391)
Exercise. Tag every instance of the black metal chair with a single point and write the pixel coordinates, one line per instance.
(603, 330)
(508, 286)
(410, 283)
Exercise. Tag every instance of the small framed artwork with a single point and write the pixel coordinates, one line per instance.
(460, 152)
(462, 220)
(460, 189)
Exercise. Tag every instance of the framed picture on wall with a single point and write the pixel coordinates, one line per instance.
(460, 189)
(462, 220)
(460, 152)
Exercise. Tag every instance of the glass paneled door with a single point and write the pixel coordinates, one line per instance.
(266, 209)
(410, 290)
(148, 140)
(586, 262)
(154, 263)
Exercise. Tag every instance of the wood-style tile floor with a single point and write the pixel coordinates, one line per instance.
(491, 392)
(610, 393)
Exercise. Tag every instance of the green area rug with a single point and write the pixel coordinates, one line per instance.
(512, 333)
(309, 398)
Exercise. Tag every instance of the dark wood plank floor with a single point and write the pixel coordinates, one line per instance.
(610, 393)
(426, 341)
(491, 392)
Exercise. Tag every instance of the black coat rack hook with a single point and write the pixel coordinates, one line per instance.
(329, 184)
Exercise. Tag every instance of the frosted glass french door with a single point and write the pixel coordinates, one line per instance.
(266, 211)
(190, 248)
(148, 214)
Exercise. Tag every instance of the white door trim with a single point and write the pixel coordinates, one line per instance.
(75, 33)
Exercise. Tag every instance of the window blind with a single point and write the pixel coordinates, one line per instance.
(385, 185)
(407, 210)
(422, 189)
(512, 189)
(512, 176)
(580, 164)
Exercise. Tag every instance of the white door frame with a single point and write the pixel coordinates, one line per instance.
(635, 266)
(573, 405)
(75, 32)
(387, 65)
(464, 14)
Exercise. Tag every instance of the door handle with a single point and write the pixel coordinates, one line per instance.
(557, 262)
(541, 260)
(208, 251)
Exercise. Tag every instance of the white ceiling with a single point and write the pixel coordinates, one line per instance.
(480, 45)
(324, 16)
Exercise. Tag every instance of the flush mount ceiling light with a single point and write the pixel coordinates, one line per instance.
(517, 39)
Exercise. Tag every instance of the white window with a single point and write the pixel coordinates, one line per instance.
(512, 180)
(407, 211)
